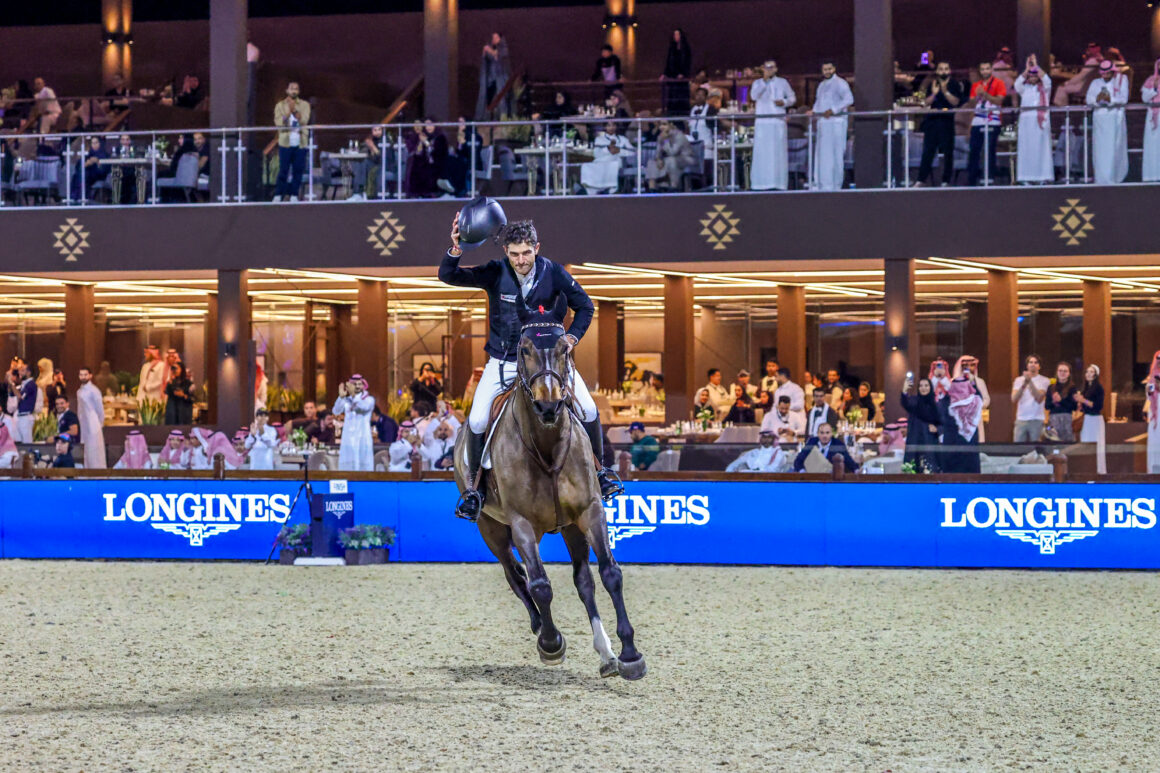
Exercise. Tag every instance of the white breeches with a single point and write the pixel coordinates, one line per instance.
(491, 384)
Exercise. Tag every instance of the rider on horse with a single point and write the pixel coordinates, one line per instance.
(523, 282)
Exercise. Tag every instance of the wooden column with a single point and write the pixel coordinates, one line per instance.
(458, 371)
(791, 330)
(228, 84)
(608, 362)
(680, 379)
(1046, 340)
(210, 347)
(234, 393)
(80, 334)
(338, 355)
(1032, 32)
(372, 353)
(873, 88)
(974, 334)
(441, 59)
(116, 53)
(1002, 363)
(1097, 333)
(899, 340)
(309, 355)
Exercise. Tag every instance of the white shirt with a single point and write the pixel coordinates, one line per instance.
(797, 396)
(751, 389)
(48, 103)
(721, 398)
(774, 422)
(760, 459)
(833, 94)
(769, 383)
(766, 93)
(1117, 89)
(1028, 408)
(262, 448)
(815, 419)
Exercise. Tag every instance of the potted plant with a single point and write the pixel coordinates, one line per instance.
(367, 544)
(294, 541)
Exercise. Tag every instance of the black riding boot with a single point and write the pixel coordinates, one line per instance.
(471, 503)
(608, 487)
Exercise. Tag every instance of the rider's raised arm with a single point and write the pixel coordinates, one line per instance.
(578, 301)
(450, 272)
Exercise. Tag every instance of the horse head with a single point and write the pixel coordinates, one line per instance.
(544, 366)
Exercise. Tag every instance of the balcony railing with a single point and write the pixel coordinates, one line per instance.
(565, 157)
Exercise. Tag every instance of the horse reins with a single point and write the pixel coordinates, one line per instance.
(552, 470)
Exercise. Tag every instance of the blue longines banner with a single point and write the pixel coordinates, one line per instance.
(880, 524)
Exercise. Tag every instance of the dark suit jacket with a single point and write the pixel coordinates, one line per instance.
(837, 448)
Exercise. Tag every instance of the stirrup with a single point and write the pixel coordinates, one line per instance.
(471, 498)
(605, 477)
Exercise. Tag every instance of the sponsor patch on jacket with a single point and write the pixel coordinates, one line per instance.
(507, 298)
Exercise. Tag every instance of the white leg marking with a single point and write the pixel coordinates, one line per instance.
(600, 642)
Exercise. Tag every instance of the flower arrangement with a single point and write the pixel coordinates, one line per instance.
(366, 537)
(705, 416)
(367, 543)
(298, 438)
(854, 415)
(295, 537)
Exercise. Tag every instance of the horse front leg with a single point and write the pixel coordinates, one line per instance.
(550, 643)
(630, 663)
(581, 575)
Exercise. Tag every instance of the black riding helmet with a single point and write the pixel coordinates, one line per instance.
(480, 220)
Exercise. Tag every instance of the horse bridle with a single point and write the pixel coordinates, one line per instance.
(526, 383)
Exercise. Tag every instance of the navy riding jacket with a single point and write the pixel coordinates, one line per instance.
(553, 288)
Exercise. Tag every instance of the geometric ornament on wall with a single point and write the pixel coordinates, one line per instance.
(1072, 222)
(386, 233)
(719, 226)
(71, 240)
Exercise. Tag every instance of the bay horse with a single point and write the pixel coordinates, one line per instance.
(543, 480)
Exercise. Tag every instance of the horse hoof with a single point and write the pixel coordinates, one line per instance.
(608, 669)
(633, 670)
(552, 658)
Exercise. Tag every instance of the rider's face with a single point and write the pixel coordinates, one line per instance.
(522, 256)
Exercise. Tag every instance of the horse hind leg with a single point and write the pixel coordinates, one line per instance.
(582, 576)
(630, 663)
(550, 643)
(498, 538)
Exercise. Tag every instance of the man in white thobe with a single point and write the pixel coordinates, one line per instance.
(152, 376)
(400, 451)
(1151, 95)
(602, 174)
(261, 442)
(785, 424)
(1105, 96)
(767, 457)
(771, 96)
(833, 101)
(356, 448)
(1033, 163)
(91, 412)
